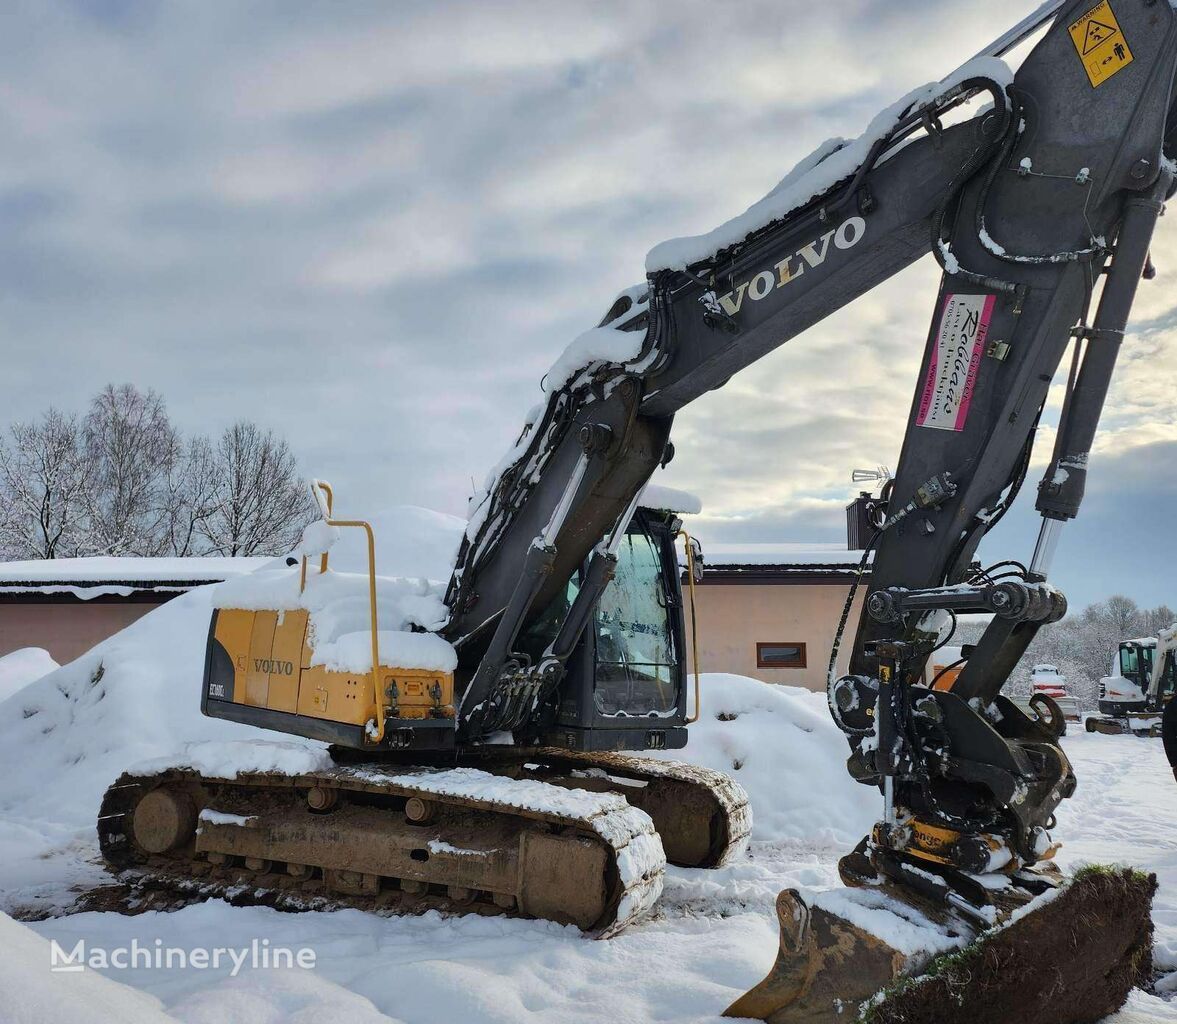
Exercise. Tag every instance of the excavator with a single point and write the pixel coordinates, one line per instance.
(1143, 680)
(487, 758)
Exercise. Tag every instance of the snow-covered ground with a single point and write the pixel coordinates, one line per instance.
(713, 935)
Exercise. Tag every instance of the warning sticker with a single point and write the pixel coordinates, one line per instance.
(956, 360)
(1100, 43)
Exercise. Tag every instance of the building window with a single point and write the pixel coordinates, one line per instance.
(780, 655)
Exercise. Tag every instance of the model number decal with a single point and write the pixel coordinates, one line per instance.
(957, 348)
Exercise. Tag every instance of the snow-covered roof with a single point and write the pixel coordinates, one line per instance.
(101, 576)
(781, 554)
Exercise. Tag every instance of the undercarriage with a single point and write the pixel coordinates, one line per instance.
(573, 838)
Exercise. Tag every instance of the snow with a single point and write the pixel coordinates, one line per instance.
(762, 735)
(318, 539)
(598, 345)
(23, 666)
(439, 846)
(340, 616)
(951, 263)
(34, 995)
(659, 496)
(65, 737)
(126, 569)
(830, 163)
(902, 927)
(221, 818)
(785, 553)
(999, 250)
(712, 935)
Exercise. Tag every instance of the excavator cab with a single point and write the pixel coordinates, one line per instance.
(625, 685)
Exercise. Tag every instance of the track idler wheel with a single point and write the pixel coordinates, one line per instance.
(163, 820)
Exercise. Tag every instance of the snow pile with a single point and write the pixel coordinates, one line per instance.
(833, 161)
(340, 616)
(136, 695)
(33, 995)
(21, 667)
(780, 744)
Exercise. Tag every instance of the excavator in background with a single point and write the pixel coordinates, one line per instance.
(1144, 679)
(497, 780)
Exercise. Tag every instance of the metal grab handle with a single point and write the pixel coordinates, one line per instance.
(694, 628)
(325, 498)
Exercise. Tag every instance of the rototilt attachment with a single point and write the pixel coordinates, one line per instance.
(884, 957)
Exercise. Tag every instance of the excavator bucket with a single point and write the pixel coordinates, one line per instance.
(1092, 939)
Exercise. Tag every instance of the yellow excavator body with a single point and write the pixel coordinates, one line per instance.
(273, 669)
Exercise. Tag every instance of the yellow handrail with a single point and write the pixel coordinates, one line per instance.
(694, 627)
(328, 507)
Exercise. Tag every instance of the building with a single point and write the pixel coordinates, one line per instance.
(67, 605)
(770, 611)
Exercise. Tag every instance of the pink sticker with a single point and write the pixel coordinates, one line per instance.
(956, 360)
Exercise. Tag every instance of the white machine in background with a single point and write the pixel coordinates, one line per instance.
(1143, 681)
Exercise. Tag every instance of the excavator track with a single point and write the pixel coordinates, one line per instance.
(384, 839)
(702, 816)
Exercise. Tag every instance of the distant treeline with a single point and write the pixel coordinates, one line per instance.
(1083, 646)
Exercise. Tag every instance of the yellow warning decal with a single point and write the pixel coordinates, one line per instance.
(1100, 43)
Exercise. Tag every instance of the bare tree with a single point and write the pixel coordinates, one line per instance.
(190, 497)
(262, 505)
(42, 487)
(130, 448)
(122, 481)
(1084, 646)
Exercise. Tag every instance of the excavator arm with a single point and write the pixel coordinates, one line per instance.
(1038, 193)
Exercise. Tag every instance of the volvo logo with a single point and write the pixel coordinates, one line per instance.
(846, 236)
(273, 668)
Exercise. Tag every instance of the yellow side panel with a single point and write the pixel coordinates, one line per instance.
(286, 661)
(234, 631)
(257, 675)
(335, 696)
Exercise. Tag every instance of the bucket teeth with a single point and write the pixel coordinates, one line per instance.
(824, 963)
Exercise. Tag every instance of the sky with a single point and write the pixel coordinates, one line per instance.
(373, 226)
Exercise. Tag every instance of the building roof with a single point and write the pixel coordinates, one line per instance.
(87, 578)
(783, 563)
(781, 554)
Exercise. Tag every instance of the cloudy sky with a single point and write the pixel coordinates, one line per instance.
(372, 226)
